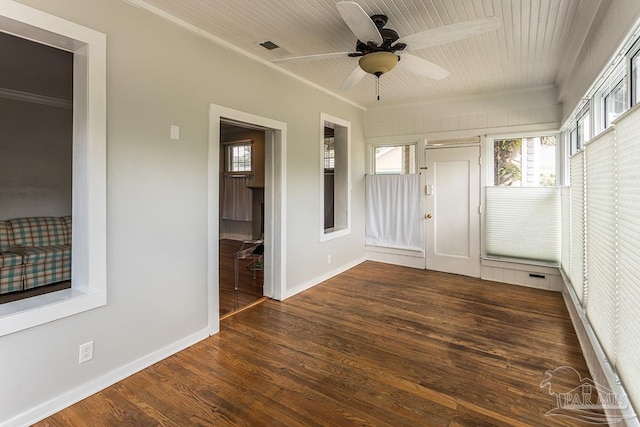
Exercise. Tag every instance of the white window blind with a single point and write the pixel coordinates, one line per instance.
(523, 223)
(601, 241)
(576, 273)
(565, 245)
(628, 360)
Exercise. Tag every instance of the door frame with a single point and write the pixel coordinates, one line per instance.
(274, 200)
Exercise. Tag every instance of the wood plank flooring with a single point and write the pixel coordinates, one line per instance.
(249, 289)
(378, 345)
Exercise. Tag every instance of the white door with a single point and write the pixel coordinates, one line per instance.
(452, 215)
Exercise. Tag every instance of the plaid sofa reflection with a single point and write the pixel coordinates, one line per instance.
(34, 252)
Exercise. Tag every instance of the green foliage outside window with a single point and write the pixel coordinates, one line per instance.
(508, 163)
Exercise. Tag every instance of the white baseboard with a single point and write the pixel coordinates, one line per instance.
(326, 276)
(413, 259)
(67, 399)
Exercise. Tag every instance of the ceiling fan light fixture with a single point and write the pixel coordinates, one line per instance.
(378, 63)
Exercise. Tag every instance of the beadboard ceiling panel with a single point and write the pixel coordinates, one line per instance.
(535, 46)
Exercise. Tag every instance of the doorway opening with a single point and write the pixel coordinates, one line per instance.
(241, 224)
(234, 155)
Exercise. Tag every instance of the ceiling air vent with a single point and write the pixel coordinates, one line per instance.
(269, 45)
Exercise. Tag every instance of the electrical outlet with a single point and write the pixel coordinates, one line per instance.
(328, 259)
(86, 352)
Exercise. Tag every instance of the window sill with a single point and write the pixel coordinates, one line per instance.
(29, 312)
(331, 234)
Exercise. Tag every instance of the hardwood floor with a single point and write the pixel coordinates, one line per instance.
(249, 289)
(378, 345)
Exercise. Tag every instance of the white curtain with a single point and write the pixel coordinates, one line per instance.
(237, 198)
(393, 211)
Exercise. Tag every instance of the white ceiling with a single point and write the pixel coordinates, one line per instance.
(536, 45)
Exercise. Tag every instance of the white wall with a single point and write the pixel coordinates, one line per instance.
(35, 164)
(160, 75)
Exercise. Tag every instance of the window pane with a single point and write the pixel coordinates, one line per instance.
(584, 130)
(525, 162)
(397, 159)
(614, 104)
(508, 162)
(239, 158)
(329, 153)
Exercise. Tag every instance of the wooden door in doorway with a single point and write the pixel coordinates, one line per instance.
(453, 210)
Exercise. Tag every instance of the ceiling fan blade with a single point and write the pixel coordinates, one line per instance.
(421, 67)
(359, 22)
(316, 57)
(449, 33)
(354, 77)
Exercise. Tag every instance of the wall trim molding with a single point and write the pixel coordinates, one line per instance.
(85, 390)
(34, 98)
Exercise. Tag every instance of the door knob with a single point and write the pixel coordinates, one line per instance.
(428, 216)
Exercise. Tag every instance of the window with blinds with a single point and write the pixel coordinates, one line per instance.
(601, 242)
(604, 243)
(565, 241)
(576, 271)
(523, 223)
(627, 137)
(522, 206)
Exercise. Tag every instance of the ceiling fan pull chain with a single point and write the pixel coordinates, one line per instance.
(378, 87)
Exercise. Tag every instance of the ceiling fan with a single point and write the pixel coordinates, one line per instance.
(380, 49)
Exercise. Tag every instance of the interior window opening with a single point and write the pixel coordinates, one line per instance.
(35, 170)
(335, 182)
(329, 178)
